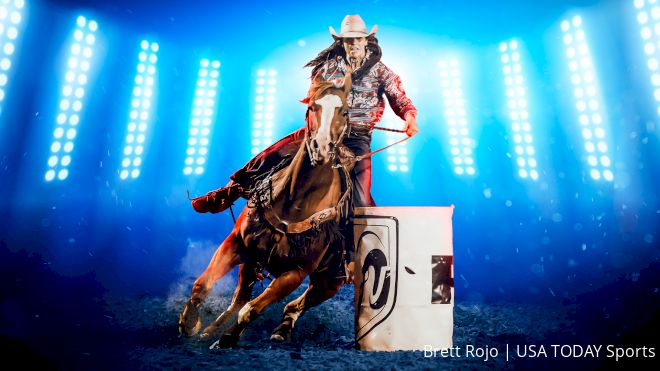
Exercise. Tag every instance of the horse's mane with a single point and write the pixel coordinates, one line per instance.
(287, 175)
(319, 87)
(336, 49)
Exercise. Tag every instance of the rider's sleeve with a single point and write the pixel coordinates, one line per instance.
(396, 96)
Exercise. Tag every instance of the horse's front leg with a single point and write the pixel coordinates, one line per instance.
(278, 289)
(321, 288)
(224, 259)
(246, 280)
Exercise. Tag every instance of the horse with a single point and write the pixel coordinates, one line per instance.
(287, 228)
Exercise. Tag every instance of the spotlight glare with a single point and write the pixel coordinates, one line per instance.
(62, 174)
(81, 21)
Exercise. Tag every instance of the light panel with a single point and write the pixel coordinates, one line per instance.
(461, 144)
(71, 100)
(140, 109)
(11, 15)
(397, 156)
(203, 117)
(587, 100)
(517, 105)
(648, 17)
(264, 110)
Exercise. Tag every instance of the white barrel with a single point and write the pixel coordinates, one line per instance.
(404, 279)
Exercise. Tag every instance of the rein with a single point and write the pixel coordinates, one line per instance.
(329, 213)
(388, 129)
(367, 155)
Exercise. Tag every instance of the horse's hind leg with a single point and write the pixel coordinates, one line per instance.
(224, 259)
(320, 289)
(246, 280)
(279, 288)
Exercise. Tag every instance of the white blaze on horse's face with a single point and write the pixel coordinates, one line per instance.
(323, 136)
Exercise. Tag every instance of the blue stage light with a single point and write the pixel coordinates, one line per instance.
(203, 117)
(264, 110)
(648, 17)
(10, 19)
(587, 99)
(521, 126)
(140, 107)
(460, 142)
(71, 100)
(397, 156)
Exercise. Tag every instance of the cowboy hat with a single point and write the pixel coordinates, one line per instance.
(353, 26)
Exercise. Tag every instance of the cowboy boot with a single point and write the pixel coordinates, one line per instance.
(218, 200)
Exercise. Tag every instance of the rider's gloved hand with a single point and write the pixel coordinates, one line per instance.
(411, 127)
(350, 269)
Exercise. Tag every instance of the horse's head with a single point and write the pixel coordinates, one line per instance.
(327, 119)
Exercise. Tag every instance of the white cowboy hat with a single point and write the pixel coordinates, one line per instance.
(353, 26)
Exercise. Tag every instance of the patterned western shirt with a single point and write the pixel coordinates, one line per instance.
(365, 101)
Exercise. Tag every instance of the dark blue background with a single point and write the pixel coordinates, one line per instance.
(547, 241)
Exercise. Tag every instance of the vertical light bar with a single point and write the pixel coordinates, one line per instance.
(648, 16)
(397, 156)
(587, 99)
(455, 113)
(138, 120)
(264, 110)
(202, 117)
(71, 101)
(517, 105)
(10, 18)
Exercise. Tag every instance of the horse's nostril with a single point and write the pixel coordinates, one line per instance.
(315, 144)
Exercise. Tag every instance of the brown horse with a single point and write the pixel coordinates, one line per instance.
(287, 228)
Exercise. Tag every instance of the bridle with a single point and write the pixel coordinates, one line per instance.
(332, 153)
(340, 209)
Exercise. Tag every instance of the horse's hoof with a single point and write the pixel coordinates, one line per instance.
(227, 341)
(282, 333)
(207, 334)
(209, 331)
(189, 322)
(277, 337)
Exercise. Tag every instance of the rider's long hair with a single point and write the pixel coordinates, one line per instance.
(337, 49)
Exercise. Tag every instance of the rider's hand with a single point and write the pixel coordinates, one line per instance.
(411, 127)
(350, 269)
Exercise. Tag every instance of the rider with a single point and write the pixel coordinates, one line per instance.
(352, 50)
